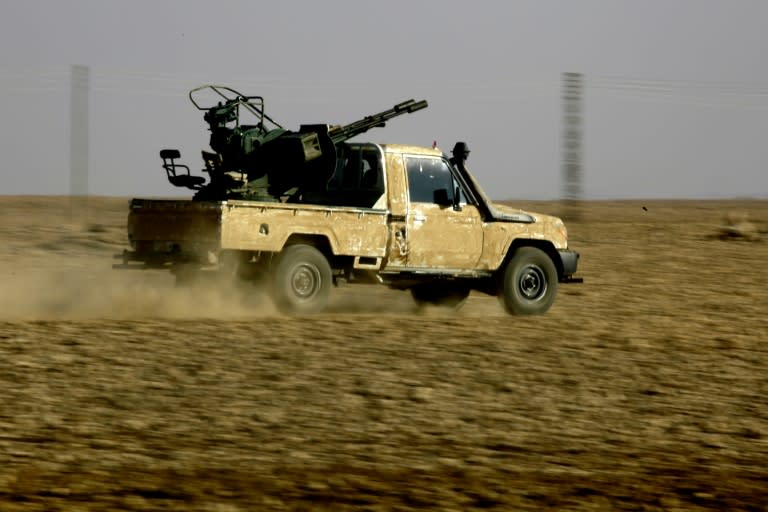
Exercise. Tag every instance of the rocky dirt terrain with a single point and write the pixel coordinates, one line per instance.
(642, 389)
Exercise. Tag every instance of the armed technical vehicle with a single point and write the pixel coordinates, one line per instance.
(304, 211)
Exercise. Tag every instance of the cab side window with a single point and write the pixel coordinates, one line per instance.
(358, 168)
(425, 176)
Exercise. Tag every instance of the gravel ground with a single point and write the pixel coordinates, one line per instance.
(642, 389)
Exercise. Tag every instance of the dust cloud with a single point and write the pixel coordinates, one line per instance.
(79, 294)
(57, 264)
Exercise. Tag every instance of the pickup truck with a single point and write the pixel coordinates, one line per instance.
(403, 216)
(406, 217)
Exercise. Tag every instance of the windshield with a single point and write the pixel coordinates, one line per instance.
(477, 188)
(472, 183)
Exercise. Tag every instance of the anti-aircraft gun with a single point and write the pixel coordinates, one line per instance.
(254, 157)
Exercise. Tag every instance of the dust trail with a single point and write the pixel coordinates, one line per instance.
(56, 263)
(84, 293)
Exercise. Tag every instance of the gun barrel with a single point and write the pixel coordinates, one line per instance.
(346, 132)
(410, 106)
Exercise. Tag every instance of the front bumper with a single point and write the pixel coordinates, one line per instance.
(570, 262)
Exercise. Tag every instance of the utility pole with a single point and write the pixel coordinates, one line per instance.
(572, 131)
(78, 135)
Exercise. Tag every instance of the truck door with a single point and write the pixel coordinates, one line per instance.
(441, 233)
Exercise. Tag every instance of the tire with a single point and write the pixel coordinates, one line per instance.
(301, 280)
(529, 282)
(440, 295)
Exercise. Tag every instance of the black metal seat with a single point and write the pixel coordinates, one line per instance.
(177, 179)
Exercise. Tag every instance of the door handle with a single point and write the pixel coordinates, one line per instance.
(419, 218)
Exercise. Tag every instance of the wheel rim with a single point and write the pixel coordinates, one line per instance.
(532, 282)
(305, 281)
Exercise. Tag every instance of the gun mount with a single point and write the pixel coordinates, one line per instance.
(254, 157)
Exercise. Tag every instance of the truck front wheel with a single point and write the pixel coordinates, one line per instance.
(301, 280)
(529, 282)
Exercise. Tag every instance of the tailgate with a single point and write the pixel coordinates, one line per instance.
(163, 230)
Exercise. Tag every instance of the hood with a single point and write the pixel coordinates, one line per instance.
(508, 214)
(547, 226)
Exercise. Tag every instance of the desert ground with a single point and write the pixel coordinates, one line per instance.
(644, 388)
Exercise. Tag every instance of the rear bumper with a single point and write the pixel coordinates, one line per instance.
(132, 261)
(570, 263)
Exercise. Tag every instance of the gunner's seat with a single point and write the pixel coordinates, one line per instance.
(177, 179)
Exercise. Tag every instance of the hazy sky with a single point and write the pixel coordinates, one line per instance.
(676, 97)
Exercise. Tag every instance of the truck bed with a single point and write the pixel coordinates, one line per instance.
(158, 227)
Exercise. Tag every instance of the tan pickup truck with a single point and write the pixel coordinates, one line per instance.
(403, 216)
(302, 211)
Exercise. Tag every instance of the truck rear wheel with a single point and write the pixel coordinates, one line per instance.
(440, 294)
(301, 280)
(529, 282)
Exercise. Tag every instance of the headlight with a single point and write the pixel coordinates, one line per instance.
(560, 226)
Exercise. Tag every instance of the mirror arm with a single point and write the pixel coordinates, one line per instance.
(456, 197)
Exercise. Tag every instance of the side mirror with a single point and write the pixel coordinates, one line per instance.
(442, 198)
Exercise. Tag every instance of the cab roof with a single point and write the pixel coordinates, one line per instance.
(414, 150)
